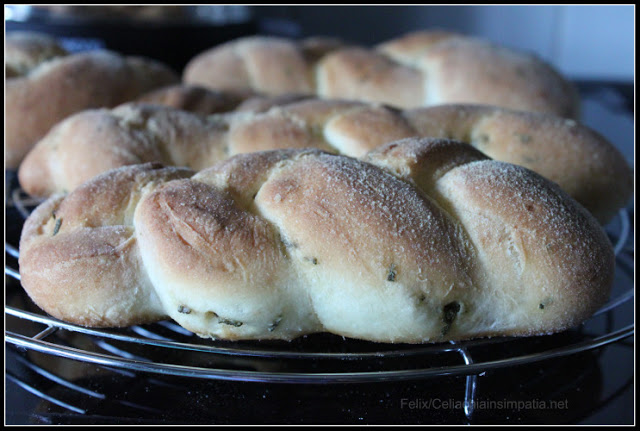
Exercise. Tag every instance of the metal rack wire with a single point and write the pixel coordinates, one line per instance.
(165, 348)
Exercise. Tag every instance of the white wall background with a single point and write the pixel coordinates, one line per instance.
(583, 42)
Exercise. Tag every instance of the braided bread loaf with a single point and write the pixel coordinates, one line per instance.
(583, 163)
(45, 84)
(419, 69)
(427, 240)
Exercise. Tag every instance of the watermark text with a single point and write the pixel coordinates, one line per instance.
(504, 404)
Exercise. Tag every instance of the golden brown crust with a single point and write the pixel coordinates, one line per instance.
(407, 246)
(577, 158)
(274, 65)
(264, 103)
(423, 164)
(500, 77)
(581, 161)
(24, 50)
(193, 98)
(85, 246)
(423, 68)
(315, 47)
(407, 48)
(94, 141)
(528, 236)
(69, 84)
(360, 74)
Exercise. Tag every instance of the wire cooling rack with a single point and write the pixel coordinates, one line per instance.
(166, 348)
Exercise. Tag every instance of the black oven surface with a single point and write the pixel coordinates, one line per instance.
(159, 374)
(567, 391)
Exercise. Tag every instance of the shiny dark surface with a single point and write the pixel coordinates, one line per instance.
(578, 389)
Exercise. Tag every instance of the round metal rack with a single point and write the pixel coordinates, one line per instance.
(164, 348)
